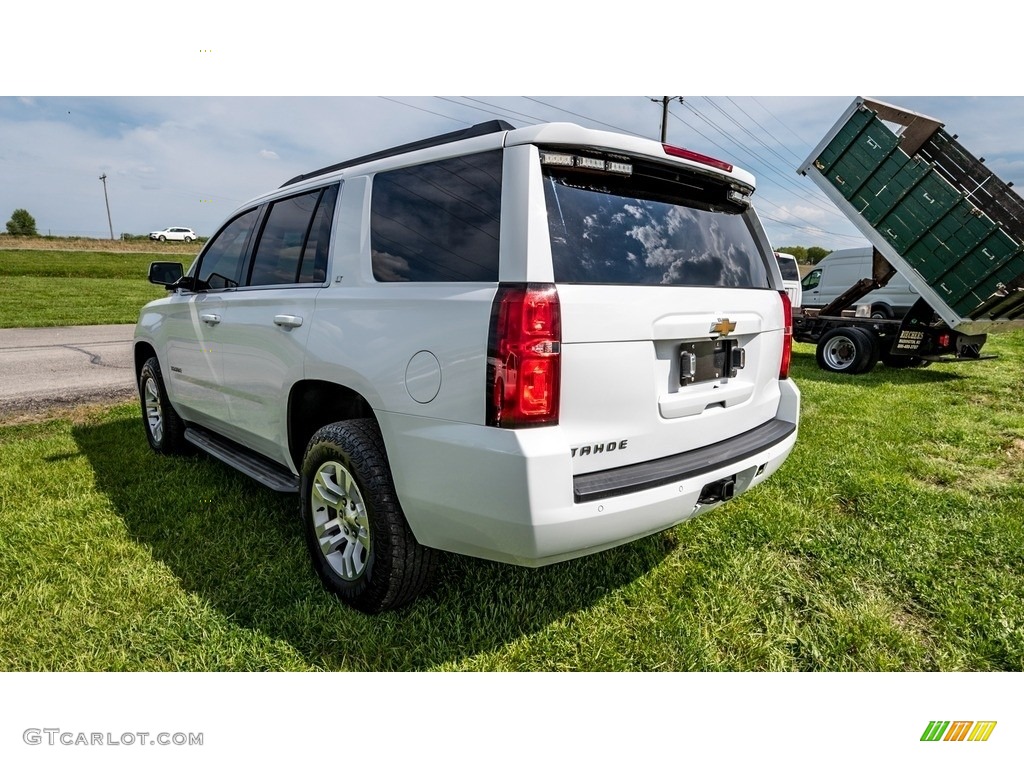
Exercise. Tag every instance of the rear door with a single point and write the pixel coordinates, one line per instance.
(672, 320)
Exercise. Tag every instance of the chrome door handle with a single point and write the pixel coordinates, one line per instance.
(209, 318)
(288, 321)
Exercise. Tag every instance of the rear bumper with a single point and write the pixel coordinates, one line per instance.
(684, 466)
(509, 495)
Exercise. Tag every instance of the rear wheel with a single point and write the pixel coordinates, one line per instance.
(359, 541)
(847, 350)
(873, 347)
(881, 312)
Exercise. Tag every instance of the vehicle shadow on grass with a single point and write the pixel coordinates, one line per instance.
(240, 548)
(805, 368)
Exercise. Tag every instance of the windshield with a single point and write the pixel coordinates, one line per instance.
(627, 236)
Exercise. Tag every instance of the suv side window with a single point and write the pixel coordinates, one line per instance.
(221, 262)
(294, 241)
(437, 222)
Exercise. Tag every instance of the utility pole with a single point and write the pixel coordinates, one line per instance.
(103, 178)
(665, 101)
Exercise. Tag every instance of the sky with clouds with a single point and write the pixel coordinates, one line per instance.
(209, 109)
(190, 161)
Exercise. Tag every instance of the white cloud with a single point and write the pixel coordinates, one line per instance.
(208, 155)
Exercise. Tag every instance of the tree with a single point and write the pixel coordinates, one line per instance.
(21, 223)
(811, 255)
(798, 252)
(816, 254)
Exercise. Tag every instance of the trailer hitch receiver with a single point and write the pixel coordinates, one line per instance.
(720, 490)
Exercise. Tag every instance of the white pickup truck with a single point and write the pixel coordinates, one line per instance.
(524, 345)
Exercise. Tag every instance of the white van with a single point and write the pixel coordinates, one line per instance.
(840, 270)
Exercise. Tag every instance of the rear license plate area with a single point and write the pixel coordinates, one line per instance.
(701, 361)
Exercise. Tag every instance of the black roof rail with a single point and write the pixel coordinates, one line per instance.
(480, 129)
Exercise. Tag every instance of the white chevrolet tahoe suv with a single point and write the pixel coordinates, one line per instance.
(524, 345)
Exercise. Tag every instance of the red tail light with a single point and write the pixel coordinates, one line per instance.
(524, 361)
(697, 157)
(787, 339)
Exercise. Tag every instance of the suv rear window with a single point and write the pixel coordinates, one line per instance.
(642, 230)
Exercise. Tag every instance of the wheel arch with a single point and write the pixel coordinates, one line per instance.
(882, 310)
(143, 351)
(313, 404)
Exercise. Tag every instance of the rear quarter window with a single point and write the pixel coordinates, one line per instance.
(437, 222)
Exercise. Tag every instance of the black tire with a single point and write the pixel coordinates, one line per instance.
(162, 239)
(164, 428)
(873, 347)
(846, 350)
(350, 508)
(882, 312)
(188, 239)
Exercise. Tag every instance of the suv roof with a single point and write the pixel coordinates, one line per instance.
(480, 129)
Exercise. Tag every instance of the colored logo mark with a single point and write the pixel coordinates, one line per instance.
(958, 730)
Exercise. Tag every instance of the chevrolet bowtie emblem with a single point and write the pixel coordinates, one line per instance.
(723, 327)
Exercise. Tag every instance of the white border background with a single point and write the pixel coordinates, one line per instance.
(307, 48)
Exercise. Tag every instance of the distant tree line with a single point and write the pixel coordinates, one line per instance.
(803, 255)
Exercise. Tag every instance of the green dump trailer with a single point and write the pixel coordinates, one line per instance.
(936, 215)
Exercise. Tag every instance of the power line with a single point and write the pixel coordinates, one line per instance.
(773, 175)
(781, 173)
(766, 131)
(421, 109)
(590, 119)
(784, 125)
(782, 179)
(814, 229)
(503, 111)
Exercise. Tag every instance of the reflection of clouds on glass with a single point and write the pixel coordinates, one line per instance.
(602, 237)
(685, 249)
(388, 268)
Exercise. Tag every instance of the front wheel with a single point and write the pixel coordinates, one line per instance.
(358, 539)
(165, 429)
(188, 239)
(162, 239)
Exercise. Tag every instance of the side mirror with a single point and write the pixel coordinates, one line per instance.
(165, 273)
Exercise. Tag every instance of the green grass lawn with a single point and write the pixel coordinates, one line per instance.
(891, 540)
(53, 288)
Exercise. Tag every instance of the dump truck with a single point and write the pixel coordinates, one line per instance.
(935, 215)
